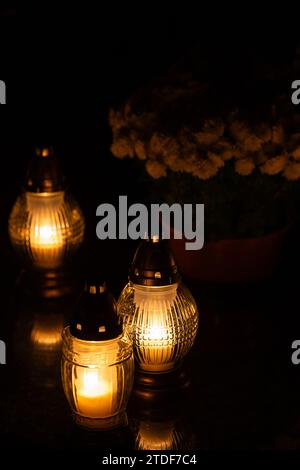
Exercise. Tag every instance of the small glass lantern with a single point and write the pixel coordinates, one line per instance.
(46, 225)
(158, 312)
(97, 363)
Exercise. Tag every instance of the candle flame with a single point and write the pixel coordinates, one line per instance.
(46, 235)
(157, 333)
(93, 385)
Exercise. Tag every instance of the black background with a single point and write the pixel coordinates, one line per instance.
(63, 71)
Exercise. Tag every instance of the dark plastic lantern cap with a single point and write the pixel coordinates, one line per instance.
(153, 264)
(95, 317)
(44, 173)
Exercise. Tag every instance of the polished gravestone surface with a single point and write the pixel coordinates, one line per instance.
(238, 388)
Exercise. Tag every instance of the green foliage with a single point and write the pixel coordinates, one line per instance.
(235, 206)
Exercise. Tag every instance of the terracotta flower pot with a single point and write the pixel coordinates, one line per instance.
(231, 261)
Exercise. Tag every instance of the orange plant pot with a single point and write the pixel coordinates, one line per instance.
(231, 261)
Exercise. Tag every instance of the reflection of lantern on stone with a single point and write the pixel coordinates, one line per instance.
(158, 311)
(97, 364)
(46, 331)
(45, 338)
(158, 436)
(158, 414)
(39, 327)
(46, 225)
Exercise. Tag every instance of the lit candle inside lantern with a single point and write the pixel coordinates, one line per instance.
(96, 392)
(46, 244)
(158, 351)
(96, 382)
(155, 341)
(47, 234)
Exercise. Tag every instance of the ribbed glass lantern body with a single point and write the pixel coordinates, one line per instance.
(97, 376)
(46, 228)
(162, 322)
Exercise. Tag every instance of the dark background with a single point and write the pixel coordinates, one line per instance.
(63, 72)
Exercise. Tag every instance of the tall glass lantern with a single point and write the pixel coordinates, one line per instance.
(158, 311)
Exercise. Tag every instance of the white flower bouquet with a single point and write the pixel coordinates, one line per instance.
(238, 156)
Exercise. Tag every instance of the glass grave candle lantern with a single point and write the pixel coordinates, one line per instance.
(158, 311)
(46, 225)
(97, 362)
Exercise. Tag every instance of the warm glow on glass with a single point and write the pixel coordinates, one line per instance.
(97, 375)
(156, 333)
(162, 322)
(45, 236)
(94, 385)
(45, 227)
